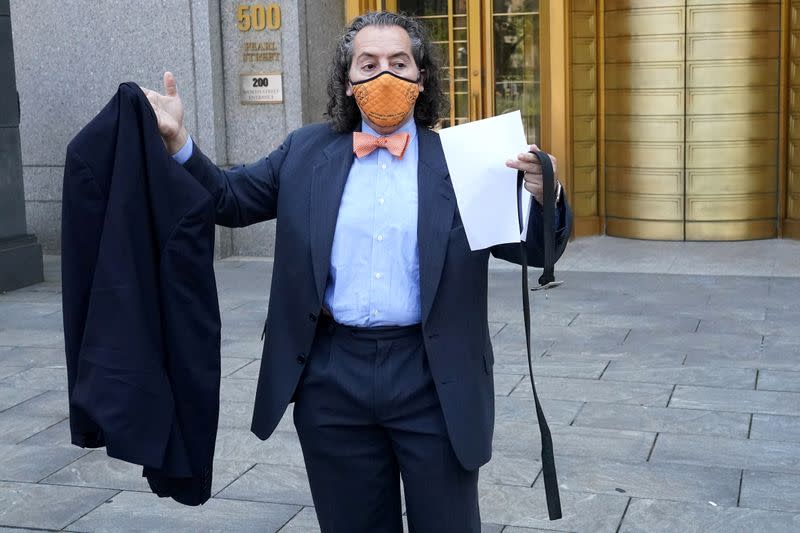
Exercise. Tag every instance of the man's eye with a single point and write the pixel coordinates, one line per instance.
(400, 65)
(368, 66)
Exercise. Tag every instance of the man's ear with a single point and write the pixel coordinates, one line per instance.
(349, 89)
(421, 82)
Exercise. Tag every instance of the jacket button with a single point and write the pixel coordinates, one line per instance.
(301, 359)
(312, 317)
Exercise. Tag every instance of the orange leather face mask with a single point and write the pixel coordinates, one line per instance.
(386, 98)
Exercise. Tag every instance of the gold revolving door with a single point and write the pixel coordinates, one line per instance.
(692, 101)
(489, 51)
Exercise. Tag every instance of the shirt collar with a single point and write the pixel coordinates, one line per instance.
(409, 127)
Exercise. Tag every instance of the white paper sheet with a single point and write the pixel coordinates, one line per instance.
(486, 189)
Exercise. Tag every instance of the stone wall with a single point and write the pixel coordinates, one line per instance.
(72, 54)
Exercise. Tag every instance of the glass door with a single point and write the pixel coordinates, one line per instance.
(490, 56)
(447, 25)
(515, 72)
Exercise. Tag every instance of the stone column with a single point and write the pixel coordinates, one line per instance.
(20, 253)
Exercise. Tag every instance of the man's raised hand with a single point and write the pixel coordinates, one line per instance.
(168, 108)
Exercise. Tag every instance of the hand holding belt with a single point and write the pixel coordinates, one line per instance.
(547, 280)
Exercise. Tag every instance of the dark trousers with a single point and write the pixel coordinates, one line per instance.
(367, 414)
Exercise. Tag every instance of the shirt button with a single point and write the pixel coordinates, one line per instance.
(378, 275)
(375, 312)
(380, 201)
(301, 359)
(379, 237)
(383, 166)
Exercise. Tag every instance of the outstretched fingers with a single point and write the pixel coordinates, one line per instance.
(170, 85)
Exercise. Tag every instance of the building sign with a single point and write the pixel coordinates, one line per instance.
(261, 52)
(261, 88)
(260, 78)
(258, 17)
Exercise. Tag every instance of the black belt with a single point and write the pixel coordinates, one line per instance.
(327, 324)
(545, 281)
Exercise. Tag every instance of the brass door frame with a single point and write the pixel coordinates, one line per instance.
(554, 39)
(556, 109)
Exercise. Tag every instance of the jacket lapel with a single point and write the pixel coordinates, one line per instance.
(327, 186)
(436, 206)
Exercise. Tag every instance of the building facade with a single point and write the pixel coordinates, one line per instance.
(673, 120)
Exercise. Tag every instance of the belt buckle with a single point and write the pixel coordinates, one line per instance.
(548, 286)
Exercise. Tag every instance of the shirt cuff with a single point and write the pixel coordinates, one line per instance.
(526, 210)
(183, 155)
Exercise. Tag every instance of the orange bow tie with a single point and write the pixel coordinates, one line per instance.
(364, 143)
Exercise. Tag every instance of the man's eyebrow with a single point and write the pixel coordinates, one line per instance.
(371, 55)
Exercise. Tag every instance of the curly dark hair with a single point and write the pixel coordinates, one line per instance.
(343, 112)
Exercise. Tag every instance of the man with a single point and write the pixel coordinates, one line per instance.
(377, 324)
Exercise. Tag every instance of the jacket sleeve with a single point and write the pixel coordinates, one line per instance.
(534, 243)
(245, 194)
(83, 210)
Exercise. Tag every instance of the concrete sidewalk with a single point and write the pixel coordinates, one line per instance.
(670, 375)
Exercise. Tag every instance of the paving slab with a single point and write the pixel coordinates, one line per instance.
(771, 490)
(98, 470)
(46, 506)
(232, 364)
(661, 481)
(760, 326)
(637, 322)
(504, 384)
(48, 403)
(548, 366)
(664, 419)
(282, 448)
(138, 511)
(32, 337)
(730, 378)
(655, 358)
(17, 427)
(580, 441)
(523, 410)
(526, 507)
(760, 358)
(512, 529)
(748, 401)
(6, 371)
(709, 343)
(775, 427)
(271, 483)
(33, 463)
(612, 346)
(588, 390)
(728, 453)
(242, 348)
(56, 435)
(237, 390)
(248, 371)
(27, 357)
(303, 522)
(646, 516)
(235, 414)
(517, 469)
(777, 380)
(11, 396)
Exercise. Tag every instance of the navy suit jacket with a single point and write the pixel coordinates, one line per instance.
(141, 317)
(301, 184)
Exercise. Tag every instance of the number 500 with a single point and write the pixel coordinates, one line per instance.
(258, 16)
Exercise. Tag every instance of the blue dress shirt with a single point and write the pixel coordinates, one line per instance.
(374, 273)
